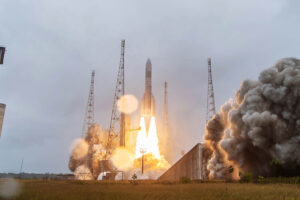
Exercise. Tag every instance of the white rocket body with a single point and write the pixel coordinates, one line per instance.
(148, 103)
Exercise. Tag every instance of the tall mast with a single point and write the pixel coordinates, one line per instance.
(89, 113)
(211, 108)
(117, 121)
(168, 149)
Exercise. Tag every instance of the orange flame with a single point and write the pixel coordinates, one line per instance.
(148, 143)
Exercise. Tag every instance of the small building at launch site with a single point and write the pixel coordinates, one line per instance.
(190, 166)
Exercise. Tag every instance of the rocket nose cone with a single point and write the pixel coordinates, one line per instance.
(148, 64)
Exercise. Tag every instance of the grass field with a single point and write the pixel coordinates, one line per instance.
(77, 190)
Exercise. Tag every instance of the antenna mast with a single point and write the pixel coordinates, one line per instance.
(89, 113)
(211, 108)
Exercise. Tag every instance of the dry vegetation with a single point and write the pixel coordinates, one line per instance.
(79, 190)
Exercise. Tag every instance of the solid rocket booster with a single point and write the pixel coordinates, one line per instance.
(148, 103)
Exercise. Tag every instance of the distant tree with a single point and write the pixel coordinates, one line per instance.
(260, 179)
(246, 178)
(134, 179)
(228, 178)
(276, 167)
(240, 174)
(230, 170)
(134, 176)
(275, 162)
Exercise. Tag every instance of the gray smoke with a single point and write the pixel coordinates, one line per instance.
(259, 126)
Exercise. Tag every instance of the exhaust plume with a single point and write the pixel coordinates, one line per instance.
(259, 130)
(88, 160)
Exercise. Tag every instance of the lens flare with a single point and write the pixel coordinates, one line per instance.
(122, 158)
(9, 188)
(127, 104)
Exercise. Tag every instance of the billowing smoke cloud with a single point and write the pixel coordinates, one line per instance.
(87, 154)
(259, 130)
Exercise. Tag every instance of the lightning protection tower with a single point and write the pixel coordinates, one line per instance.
(89, 113)
(211, 109)
(117, 120)
(166, 111)
(168, 152)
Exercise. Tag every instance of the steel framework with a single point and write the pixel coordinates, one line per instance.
(89, 119)
(211, 108)
(117, 121)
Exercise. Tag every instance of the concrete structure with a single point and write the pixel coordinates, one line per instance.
(2, 111)
(190, 166)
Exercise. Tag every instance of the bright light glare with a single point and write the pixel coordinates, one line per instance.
(127, 104)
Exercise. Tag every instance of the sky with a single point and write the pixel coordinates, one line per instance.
(52, 46)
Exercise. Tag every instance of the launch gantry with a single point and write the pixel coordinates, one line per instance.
(117, 121)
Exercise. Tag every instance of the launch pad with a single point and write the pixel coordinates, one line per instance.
(116, 152)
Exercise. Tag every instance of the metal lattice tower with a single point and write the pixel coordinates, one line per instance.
(89, 113)
(117, 121)
(211, 108)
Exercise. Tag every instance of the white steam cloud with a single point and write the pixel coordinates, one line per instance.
(87, 154)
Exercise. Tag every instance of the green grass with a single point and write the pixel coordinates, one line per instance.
(80, 190)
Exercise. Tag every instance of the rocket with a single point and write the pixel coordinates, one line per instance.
(148, 103)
